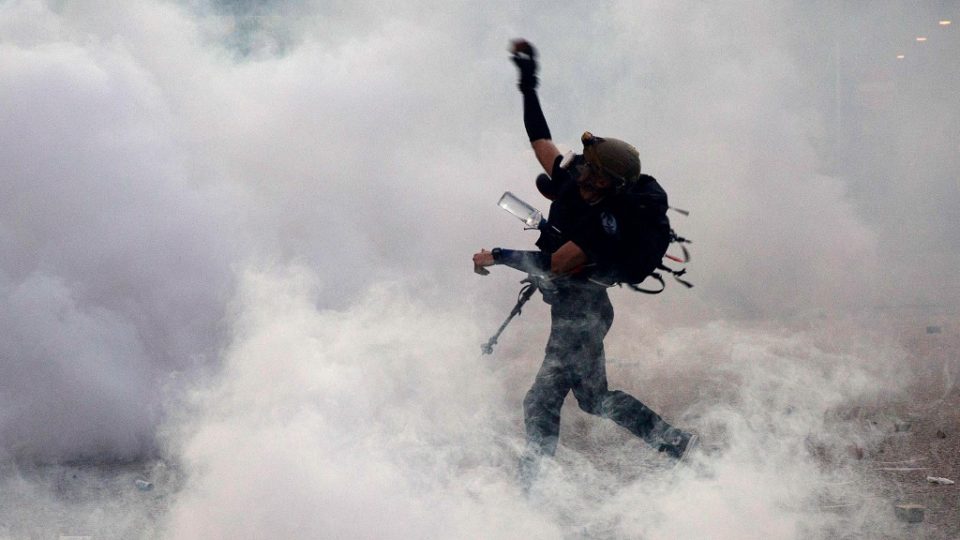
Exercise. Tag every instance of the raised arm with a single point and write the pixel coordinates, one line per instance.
(525, 57)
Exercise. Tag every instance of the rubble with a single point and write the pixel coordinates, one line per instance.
(143, 485)
(911, 513)
(940, 480)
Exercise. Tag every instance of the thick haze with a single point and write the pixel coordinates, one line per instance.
(179, 176)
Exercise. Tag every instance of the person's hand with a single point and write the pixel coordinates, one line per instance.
(482, 259)
(525, 58)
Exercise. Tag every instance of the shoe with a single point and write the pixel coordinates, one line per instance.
(691, 443)
(682, 446)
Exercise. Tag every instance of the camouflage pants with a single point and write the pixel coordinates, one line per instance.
(575, 361)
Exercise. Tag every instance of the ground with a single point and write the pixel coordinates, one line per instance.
(922, 432)
(896, 439)
(911, 433)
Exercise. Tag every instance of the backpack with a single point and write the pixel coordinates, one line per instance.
(643, 234)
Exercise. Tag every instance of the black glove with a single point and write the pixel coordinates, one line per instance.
(525, 57)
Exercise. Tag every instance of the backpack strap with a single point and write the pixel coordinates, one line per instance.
(677, 239)
(676, 275)
(654, 275)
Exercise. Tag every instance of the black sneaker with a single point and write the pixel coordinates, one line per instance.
(681, 447)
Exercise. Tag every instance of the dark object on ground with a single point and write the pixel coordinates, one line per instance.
(911, 513)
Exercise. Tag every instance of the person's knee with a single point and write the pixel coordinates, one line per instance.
(613, 401)
(591, 403)
(592, 390)
(540, 401)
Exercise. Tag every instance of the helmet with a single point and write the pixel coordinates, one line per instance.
(618, 160)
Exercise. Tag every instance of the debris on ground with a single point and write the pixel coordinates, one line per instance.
(911, 513)
(940, 480)
(143, 485)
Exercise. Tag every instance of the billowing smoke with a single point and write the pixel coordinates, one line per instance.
(380, 421)
(236, 235)
(116, 266)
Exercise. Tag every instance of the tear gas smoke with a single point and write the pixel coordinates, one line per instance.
(379, 422)
(236, 235)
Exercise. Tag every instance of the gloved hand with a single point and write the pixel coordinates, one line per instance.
(525, 57)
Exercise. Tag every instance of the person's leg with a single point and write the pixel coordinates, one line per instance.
(542, 404)
(589, 385)
(586, 362)
(628, 412)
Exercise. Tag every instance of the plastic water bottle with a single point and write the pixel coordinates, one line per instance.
(529, 215)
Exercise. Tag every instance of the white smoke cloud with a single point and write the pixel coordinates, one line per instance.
(375, 411)
(380, 421)
(115, 267)
(155, 150)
